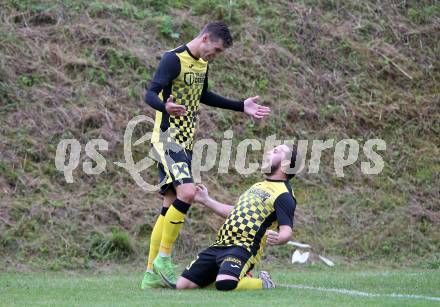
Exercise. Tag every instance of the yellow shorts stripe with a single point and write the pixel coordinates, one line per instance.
(246, 266)
(160, 151)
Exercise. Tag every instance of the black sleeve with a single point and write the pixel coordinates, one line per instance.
(212, 99)
(285, 206)
(167, 70)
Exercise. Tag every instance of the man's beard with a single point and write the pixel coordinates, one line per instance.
(272, 170)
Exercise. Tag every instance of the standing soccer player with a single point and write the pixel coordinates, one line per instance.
(179, 85)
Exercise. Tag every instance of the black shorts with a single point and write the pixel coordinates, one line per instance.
(216, 260)
(174, 166)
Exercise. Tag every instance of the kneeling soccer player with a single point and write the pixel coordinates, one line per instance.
(241, 239)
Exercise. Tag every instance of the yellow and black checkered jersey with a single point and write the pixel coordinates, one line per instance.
(261, 207)
(185, 77)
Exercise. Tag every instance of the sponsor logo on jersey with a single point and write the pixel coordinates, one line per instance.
(191, 78)
(259, 193)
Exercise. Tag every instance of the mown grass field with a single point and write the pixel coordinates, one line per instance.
(316, 286)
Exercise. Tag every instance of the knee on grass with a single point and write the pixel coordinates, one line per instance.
(226, 284)
(183, 283)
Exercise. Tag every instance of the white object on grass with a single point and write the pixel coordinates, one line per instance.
(326, 261)
(297, 244)
(300, 257)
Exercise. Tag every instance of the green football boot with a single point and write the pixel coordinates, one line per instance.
(165, 269)
(151, 280)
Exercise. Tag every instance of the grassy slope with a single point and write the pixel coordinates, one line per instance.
(123, 289)
(328, 69)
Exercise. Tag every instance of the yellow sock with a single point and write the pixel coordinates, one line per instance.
(156, 236)
(248, 283)
(172, 224)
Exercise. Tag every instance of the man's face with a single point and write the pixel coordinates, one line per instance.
(211, 48)
(275, 158)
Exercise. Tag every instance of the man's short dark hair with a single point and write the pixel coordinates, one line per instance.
(293, 161)
(218, 30)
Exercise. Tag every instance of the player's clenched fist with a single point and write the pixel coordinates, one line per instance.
(173, 108)
(272, 237)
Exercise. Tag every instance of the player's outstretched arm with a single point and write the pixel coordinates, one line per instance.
(203, 197)
(249, 106)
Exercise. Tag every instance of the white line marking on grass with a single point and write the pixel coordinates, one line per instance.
(360, 293)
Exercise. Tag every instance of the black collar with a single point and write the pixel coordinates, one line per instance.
(276, 180)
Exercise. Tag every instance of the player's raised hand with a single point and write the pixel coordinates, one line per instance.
(201, 194)
(252, 108)
(272, 237)
(173, 108)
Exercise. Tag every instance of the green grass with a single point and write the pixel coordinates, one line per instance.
(121, 287)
